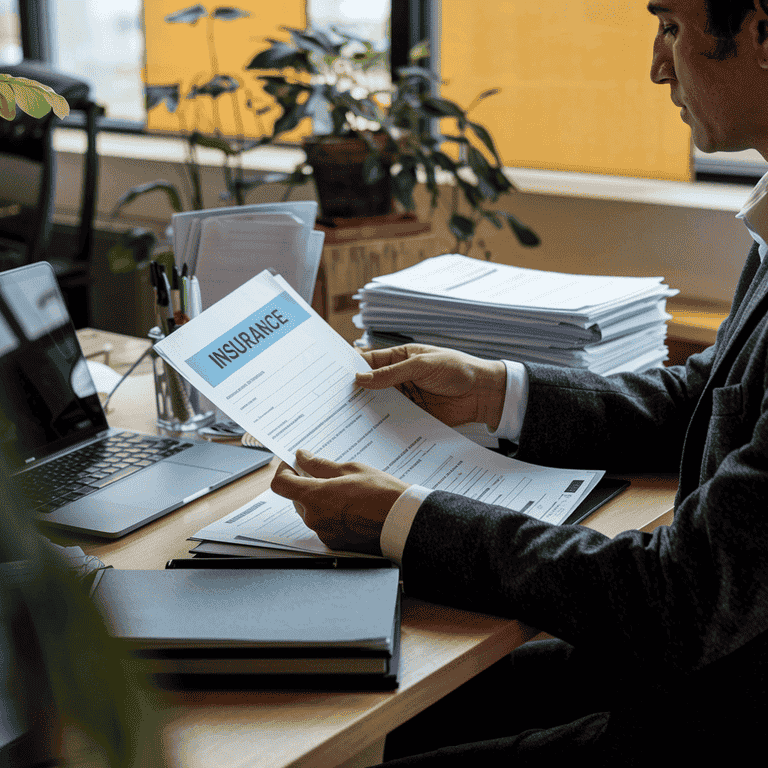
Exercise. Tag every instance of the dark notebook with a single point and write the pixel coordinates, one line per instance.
(329, 627)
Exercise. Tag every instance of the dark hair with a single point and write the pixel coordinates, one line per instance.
(724, 21)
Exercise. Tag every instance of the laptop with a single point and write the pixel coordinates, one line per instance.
(74, 471)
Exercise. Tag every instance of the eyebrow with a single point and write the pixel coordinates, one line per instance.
(655, 8)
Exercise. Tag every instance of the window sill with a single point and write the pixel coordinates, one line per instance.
(695, 195)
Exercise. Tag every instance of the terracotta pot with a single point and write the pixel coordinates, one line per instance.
(337, 168)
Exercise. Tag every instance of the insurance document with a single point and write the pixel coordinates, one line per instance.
(268, 520)
(274, 366)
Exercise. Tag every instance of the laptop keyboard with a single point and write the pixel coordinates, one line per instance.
(93, 467)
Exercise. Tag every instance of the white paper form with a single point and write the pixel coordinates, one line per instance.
(269, 520)
(185, 241)
(266, 359)
(233, 249)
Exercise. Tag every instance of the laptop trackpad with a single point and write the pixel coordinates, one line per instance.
(117, 509)
(164, 483)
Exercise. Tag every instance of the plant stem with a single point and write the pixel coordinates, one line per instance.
(214, 68)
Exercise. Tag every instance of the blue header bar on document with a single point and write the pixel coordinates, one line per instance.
(249, 338)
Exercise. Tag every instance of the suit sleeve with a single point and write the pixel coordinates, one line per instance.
(679, 598)
(623, 423)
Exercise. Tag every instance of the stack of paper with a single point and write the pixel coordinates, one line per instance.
(224, 247)
(603, 324)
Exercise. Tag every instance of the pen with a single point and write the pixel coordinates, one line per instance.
(279, 562)
(175, 290)
(164, 289)
(252, 562)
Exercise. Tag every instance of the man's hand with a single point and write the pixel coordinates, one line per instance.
(454, 387)
(344, 504)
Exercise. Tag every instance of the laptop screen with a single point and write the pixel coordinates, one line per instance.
(47, 397)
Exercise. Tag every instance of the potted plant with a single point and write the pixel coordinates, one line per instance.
(369, 139)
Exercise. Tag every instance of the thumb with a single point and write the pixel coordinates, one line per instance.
(316, 466)
(389, 375)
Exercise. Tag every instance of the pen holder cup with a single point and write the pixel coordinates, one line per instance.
(180, 407)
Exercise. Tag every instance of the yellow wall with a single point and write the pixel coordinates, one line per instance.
(576, 93)
(179, 53)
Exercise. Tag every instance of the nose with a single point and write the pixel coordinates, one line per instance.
(662, 65)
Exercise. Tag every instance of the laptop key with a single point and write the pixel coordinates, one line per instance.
(102, 483)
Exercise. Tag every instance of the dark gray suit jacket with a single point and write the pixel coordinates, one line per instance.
(679, 598)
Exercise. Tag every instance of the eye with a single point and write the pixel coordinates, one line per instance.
(669, 29)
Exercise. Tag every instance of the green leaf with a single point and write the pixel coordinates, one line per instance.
(493, 217)
(461, 227)
(227, 13)
(7, 102)
(482, 133)
(290, 118)
(313, 42)
(444, 162)
(524, 234)
(474, 197)
(419, 73)
(457, 139)
(442, 107)
(174, 198)
(190, 15)
(30, 100)
(419, 51)
(158, 94)
(500, 181)
(215, 87)
(403, 184)
(483, 95)
(282, 56)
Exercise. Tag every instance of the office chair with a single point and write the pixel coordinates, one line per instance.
(28, 186)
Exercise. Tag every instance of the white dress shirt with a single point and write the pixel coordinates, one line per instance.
(400, 517)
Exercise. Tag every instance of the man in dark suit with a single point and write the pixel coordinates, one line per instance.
(658, 633)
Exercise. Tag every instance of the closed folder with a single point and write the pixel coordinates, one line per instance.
(327, 627)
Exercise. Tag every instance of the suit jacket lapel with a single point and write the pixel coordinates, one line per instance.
(750, 305)
(748, 294)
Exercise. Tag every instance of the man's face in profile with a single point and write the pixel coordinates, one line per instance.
(720, 99)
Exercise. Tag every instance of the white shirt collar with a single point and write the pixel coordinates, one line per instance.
(754, 214)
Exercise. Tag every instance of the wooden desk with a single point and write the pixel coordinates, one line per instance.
(441, 647)
(693, 326)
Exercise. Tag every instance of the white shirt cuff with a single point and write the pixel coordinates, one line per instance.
(515, 403)
(399, 520)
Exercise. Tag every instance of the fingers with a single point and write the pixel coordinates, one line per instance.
(392, 375)
(316, 466)
(287, 483)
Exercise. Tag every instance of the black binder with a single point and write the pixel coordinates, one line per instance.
(328, 627)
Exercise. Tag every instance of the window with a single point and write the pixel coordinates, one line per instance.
(105, 47)
(10, 33)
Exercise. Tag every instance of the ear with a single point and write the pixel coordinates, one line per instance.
(758, 29)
